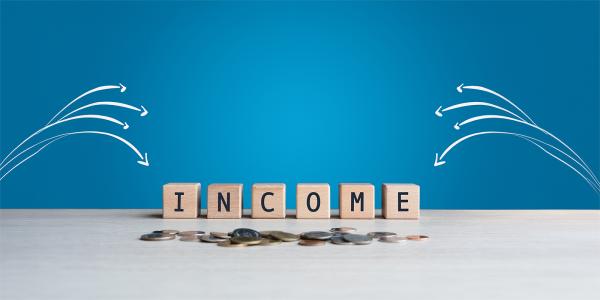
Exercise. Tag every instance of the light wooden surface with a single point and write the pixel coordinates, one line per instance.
(96, 254)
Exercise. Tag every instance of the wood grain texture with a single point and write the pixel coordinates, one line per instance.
(181, 200)
(224, 201)
(357, 200)
(400, 200)
(274, 201)
(306, 200)
(96, 254)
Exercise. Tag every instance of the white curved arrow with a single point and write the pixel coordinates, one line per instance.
(477, 118)
(439, 111)
(101, 117)
(439, 158)
(100, 88)
(143, 158)
(141, 109)
(486, 90)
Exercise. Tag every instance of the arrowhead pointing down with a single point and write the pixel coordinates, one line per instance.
(145, 162)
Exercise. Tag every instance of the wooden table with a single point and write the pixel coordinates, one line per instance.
(96, 254)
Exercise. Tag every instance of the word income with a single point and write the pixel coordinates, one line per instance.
(356, 201)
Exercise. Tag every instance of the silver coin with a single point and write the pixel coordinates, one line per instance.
(211, 239)
(316, 235)
(166, 231)
(245, 232)
(192, 233)
(342, 229)
(157, 237)
(357, 239)
(190, 238)
(392, 239)
(219, 235)
(339, 240)
(378, 234)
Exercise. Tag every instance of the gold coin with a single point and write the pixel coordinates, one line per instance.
(266, 233)
(219, 235)
(311, 243)
(284, 236)
(229, 244)
(245, 240)
(269, 242)
(416, 237)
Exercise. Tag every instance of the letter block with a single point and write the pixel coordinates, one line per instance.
(357, 201)
(312, 201)
(268, 201)
(224, 201)
(181, 200)
(400, 201)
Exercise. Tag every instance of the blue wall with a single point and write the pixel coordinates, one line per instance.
(300, 92)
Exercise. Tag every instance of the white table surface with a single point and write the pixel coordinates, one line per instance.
(96, 254)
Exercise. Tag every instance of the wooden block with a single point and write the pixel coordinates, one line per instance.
(357, 201)
(400, 201)
(268, 201)
(224, 201)
(181, 200)
(312, 201)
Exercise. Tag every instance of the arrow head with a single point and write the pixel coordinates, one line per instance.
(125, 126)
(145, 162)
(437, 161)
(144, 111)
(456, 126)
(438, 112)
(459, 88)
(123, 88)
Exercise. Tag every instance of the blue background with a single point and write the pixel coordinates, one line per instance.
(300, 92)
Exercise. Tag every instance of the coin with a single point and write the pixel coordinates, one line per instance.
(378, 234)
(245, 232)
(211, 239)
(316, 235)
(219, 235)
(266, 233)
(167, 231)
(392, 239)
(246, 240)
(155, 236)
(342, 229)
(193, 233)
(416, 237)
(269, 242)
(229, 244)
(311, 243)
(190, 238)
(284, 236)
(357, 239)
(339, 240)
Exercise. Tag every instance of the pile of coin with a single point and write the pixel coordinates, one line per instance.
(243, 237)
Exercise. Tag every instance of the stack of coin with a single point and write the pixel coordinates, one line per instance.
(243, 237)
